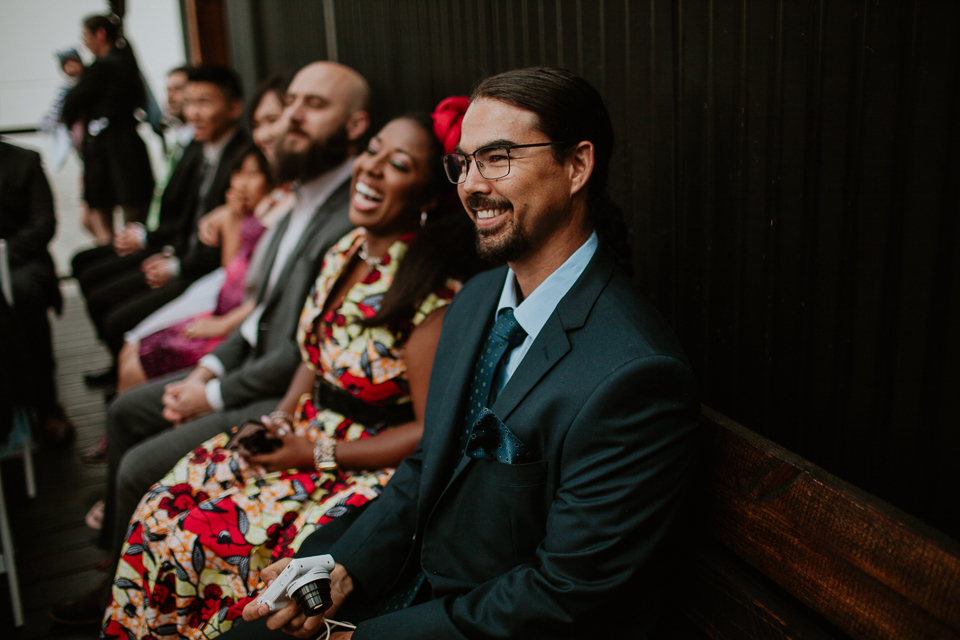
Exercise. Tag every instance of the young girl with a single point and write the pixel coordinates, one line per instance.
(183, 344)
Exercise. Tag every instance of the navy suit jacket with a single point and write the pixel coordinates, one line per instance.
(562, 546)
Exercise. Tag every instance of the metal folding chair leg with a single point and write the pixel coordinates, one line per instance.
(28, 471)
(8, 562)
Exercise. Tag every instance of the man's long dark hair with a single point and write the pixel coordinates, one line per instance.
(569, 109)
(443, 249)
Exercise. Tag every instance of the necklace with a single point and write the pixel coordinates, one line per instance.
(372, 261)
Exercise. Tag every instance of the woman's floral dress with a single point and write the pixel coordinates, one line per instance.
(200, 537)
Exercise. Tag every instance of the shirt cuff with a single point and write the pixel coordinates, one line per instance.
(214, 397)
(140, 233)
(212, 363)
(173, 266)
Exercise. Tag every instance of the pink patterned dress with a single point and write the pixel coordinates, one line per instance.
(200, 537)
(168, 350)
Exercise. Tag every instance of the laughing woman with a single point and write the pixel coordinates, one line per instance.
(353, 410)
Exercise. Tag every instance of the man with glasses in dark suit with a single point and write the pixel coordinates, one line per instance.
(561, 421)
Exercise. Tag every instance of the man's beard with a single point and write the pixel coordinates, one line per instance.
(504, 244)
(321, 156)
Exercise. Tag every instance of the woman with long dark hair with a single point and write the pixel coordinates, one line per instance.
(116, 167)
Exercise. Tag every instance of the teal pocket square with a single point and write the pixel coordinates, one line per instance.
(490, 439)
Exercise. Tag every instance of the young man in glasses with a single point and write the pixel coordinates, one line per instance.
(561, 422)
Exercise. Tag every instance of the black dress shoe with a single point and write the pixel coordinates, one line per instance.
(102, 379)
(86, 609)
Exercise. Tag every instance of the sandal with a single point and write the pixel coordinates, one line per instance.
(97, 454)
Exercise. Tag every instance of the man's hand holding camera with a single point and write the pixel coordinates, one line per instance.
(290, 618)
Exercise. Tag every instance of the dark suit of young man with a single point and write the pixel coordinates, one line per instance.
(561, 535)
(117, 294)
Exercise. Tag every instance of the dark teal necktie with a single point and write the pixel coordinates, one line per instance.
(505, 334)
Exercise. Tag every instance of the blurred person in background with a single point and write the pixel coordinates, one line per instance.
(116, 167)
(27, 224)
(176, 134)
(144, 270)
(72, 66)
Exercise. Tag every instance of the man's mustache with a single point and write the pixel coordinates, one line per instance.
(477, 202)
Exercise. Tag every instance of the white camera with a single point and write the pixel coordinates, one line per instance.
(306, 581)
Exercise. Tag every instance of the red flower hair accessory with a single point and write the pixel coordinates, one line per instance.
(446, 121)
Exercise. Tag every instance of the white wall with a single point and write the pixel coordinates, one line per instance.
(31, 31)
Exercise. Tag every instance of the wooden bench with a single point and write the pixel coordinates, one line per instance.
(779, 548)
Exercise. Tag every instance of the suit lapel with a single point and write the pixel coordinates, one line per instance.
(221, 178)
(271, 256)
(549, 347)
(546, 351)
(472, 334)
(179, 194)
(310, 234)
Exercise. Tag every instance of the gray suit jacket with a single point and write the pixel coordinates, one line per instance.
(266, 370)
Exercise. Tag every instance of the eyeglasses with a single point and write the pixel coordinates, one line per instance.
(492, 162)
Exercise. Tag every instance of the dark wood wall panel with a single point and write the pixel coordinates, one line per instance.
(789, 171)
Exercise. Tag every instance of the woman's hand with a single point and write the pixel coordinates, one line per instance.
(296, 452)
(205, 328)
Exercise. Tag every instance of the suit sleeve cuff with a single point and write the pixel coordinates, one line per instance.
(212, 363)
(214, 397)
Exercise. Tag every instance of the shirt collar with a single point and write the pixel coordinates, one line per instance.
(310, 195)
(213, 150)
(533, 312)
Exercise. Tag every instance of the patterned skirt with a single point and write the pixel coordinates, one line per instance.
(201, 536)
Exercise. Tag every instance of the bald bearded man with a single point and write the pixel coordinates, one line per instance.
(150, 428)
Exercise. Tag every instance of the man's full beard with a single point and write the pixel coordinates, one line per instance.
(321, 156)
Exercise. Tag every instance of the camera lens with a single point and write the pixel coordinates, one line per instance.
(313, 597)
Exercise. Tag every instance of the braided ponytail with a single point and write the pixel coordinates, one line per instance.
(607, 218)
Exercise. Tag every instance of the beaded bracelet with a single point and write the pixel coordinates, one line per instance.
(325, 455)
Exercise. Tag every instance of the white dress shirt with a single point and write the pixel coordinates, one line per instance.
(310, 197)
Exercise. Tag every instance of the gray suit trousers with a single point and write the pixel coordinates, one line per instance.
(144, 446)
